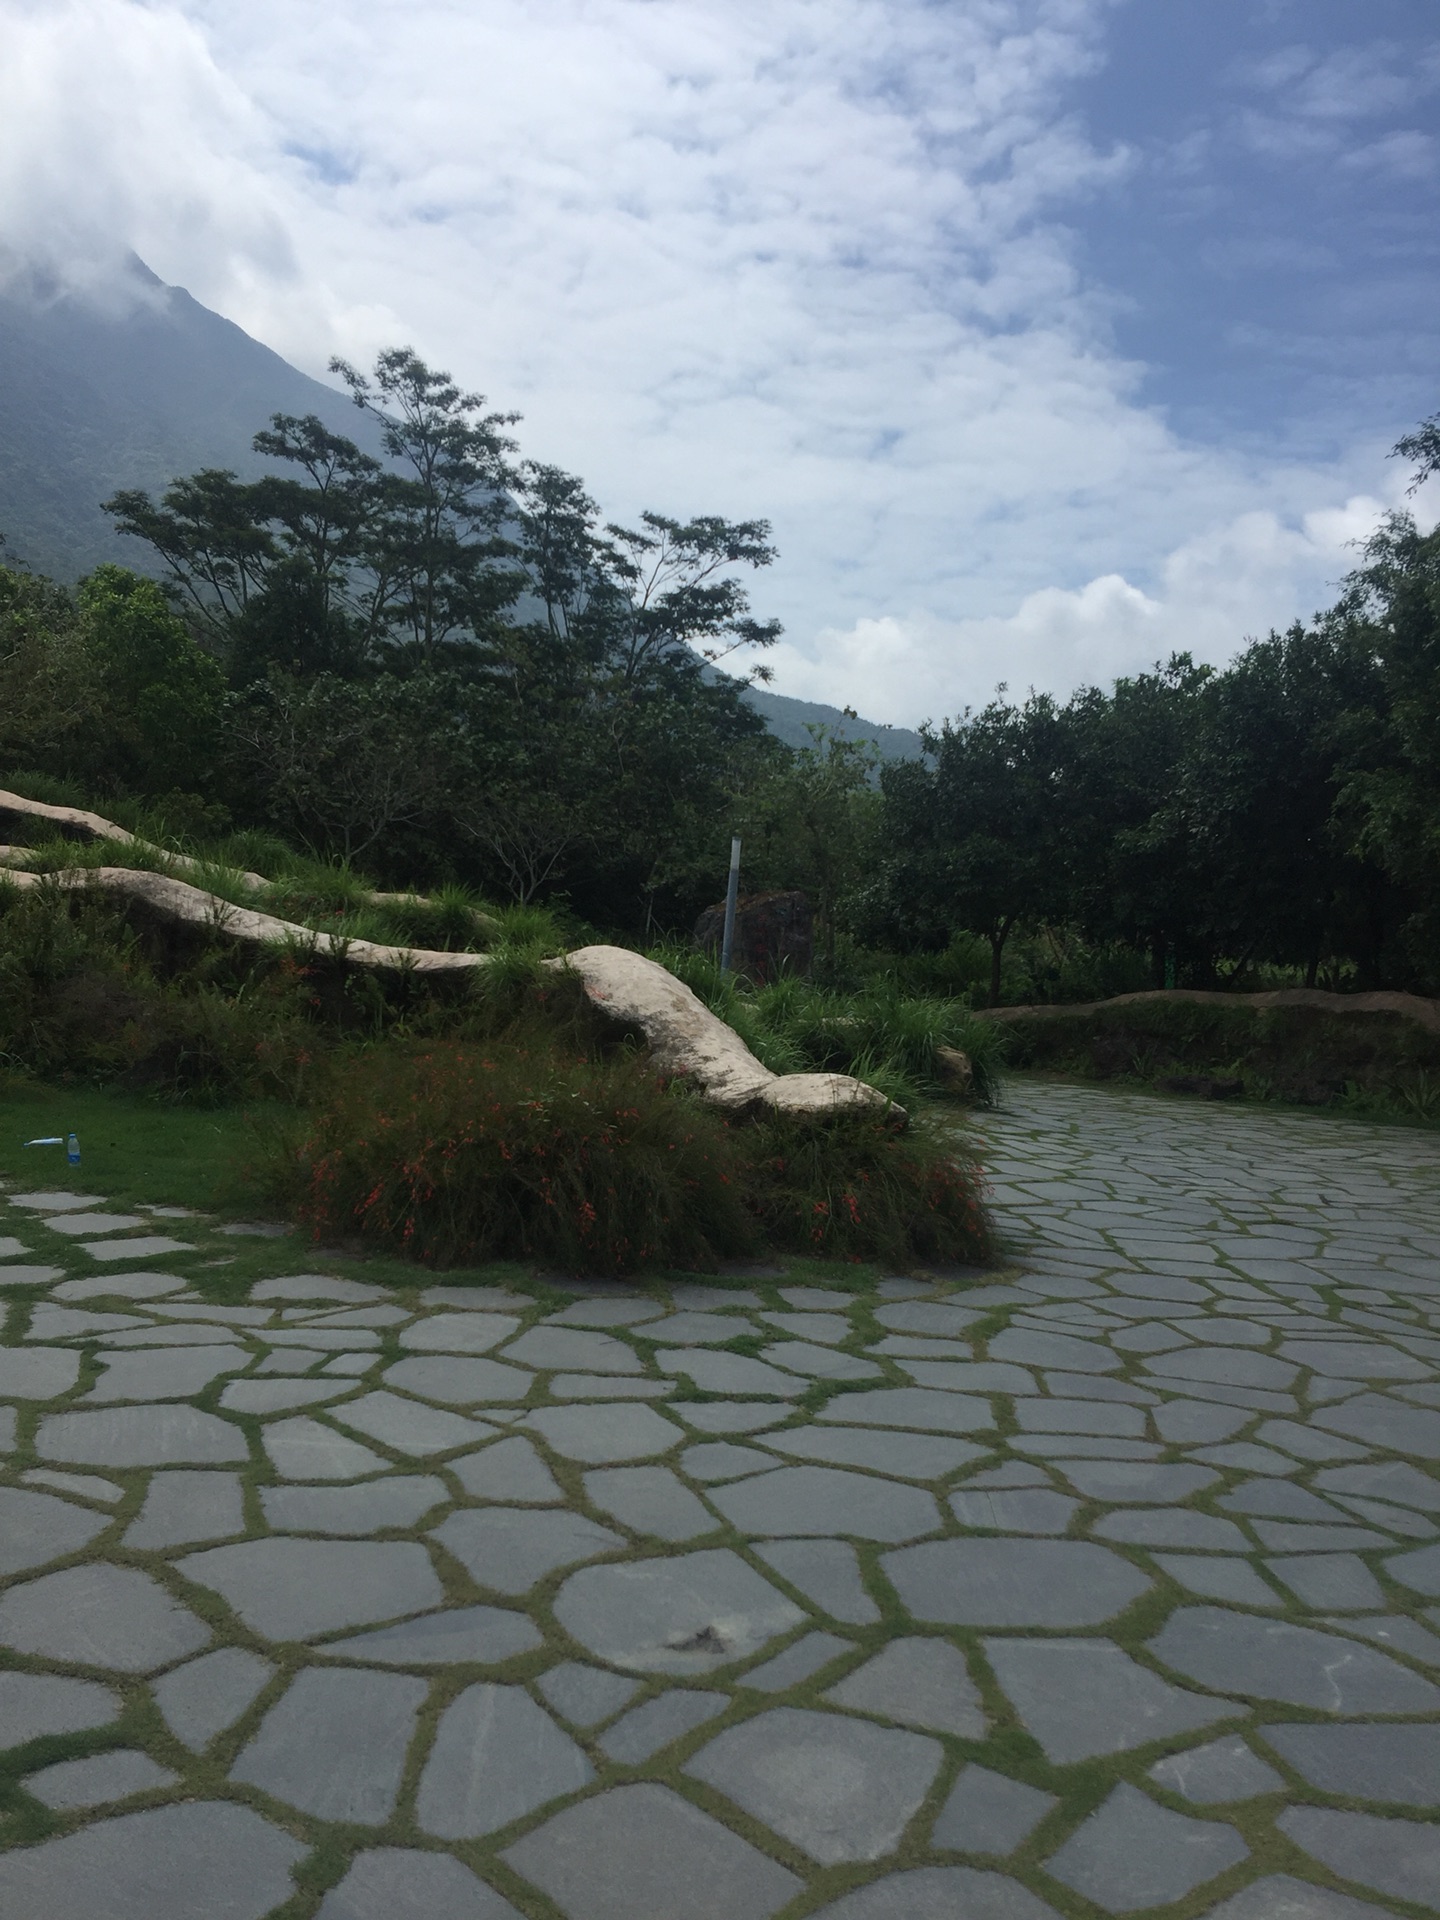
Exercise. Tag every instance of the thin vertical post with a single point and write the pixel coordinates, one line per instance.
(732, 894)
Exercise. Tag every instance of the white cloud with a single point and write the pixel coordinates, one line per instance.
(807, 259)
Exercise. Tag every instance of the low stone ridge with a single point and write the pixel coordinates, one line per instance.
(483, 1585)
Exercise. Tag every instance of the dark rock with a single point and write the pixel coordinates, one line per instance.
(774, 933)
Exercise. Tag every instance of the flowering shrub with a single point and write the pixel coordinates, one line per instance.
(460, 1153)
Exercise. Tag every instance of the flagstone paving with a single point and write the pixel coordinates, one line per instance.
(1103, 1584)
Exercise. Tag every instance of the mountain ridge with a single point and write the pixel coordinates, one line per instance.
(152, 384)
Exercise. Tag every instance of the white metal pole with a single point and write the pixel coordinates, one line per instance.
(732, 894)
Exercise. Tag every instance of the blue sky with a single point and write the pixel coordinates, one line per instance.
(1275, 248)
(1051, 335)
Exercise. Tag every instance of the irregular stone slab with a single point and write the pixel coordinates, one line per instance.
(819, 1363)
(302, 1449)
(509, 1470)
(1121, 1481)
(989, 1813)
(150, 1865)
(585, 1695)
(1282, 1537)
(49, 1322)
(920, 1683)
(37, 1373)
(926, 1408)
(479, 1298)
(729, 1373)
(349, 1364)
(598, 1436)
(796, 1662)
(659, 1723)
(1395, 1631)
(937, 1318)
(141, 1437)
(289, 1360)
(1382, 1422)
(709, 1463)
(10, 1247)
(730, 1416)
(1225, 1770)
(1223, 1366)
(687, 1614)
(398, 1501)
(1354, 1359)
(939, 1893)
(1131, 1853)
(697, 1329)
(295, 1589)
(1399, 1857)
(29, 1276)
(35, 1528)
(907, 1456)
(181, 1507)
(334, 1745)
(1172, 1527)
(553, 1349)
(278, 1396)
(1394, 1480)
(618, 1311)
(102, 1777)
(1033, 1349)
(207, 1695)
(98, 1615)
(458, 1332)
(460, 1383)
(827, 1572)
(400, 1883)
(460, 1636)
(1186, 1422)
(1420, 1570)
(1013, 1583)
(1215, 1578)
(1398, 1764)
(1333, 1582)
(1272, 1660)
(142, 1246)
(33, 1704)
(319, 1286)
(508, 1550)
(1079, 1416)
(360, 1317)
(407, 1426)
(650, 1500)
(327, 1339)
(56, 1202)
(1279, 1498)
(182, 1335)
(497, 1756)
(640, 1853)
(959, 1375)
(1019, 1510)
(76, 1224)
(827, 1501)
(838, 1789)
(1083, 1697)
(829, 1328)
(166, 1373)
(1281, 1897)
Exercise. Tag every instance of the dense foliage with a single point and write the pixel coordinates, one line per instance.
(443, 667)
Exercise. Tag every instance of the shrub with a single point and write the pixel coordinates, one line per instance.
(454, 1153)
(460, 1153)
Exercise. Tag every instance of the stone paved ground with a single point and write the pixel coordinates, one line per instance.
(1106, 1587)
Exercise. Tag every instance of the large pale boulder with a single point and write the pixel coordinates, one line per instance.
(685, 1038)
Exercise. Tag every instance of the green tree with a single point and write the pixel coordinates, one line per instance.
(162, 694)
(977, 831)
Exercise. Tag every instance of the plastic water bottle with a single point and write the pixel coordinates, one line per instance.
(72, 1150)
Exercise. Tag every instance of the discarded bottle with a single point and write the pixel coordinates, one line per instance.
(72, 1150)
(47, 1140)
